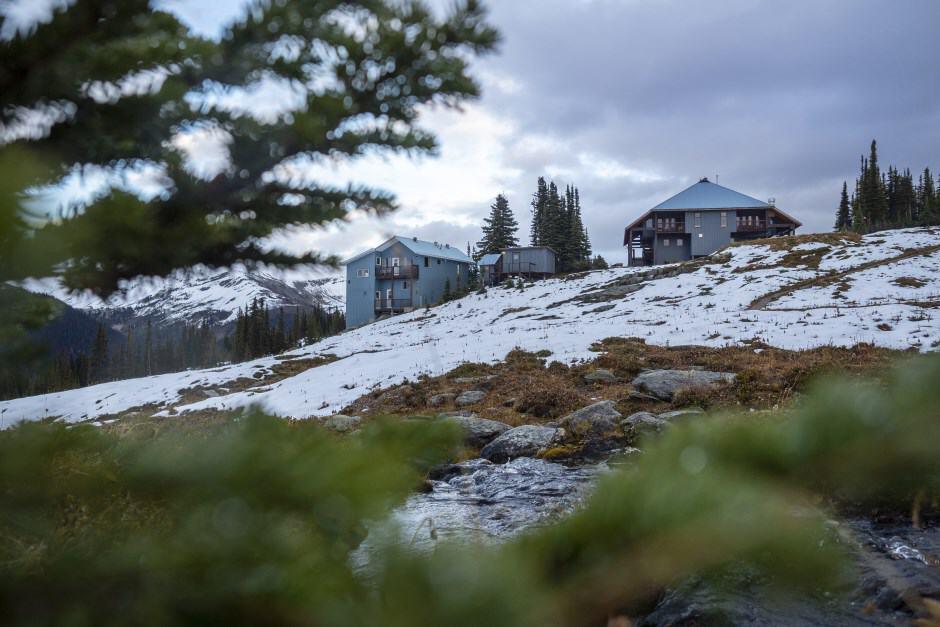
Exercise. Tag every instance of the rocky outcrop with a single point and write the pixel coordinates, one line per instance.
(342, 423)
(481, 381)
(593, 421)
(470, 397)
(600, 376)
(524, 441)
(680, 413)
(478, 431)
(642, 424)
(441, 399)
(664, 384)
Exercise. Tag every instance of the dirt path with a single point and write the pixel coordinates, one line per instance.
(834, 277)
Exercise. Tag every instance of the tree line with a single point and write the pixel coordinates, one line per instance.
(556, 222)
(888, 200)
(146, 351)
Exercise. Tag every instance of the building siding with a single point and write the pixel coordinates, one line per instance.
(710, 236)
(360, 292)
(535, 260)
(678, 249)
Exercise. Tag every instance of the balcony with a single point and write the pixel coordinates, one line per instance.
(670, 227)
(396, 272)
(750, 226)
(392, 304)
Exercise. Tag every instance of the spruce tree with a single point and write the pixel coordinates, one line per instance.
(499, 229)
(843, 215)
(537, 229)
(99, 355)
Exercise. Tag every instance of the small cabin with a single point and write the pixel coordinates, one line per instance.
(530, 262)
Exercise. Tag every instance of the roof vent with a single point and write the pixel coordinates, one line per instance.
(446, 245)
(415, 238)
(772, 202)
(704, 179)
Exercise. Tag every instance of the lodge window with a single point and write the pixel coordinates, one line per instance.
(724, 219)
(362, 273)
(438, 262)
(378, 261)
(427, 262)
(698, 220)
(666, 242)
(404, 285)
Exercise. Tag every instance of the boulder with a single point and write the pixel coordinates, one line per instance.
(679, 413)
(664, 384)
(478, 431)
(642, 424)
(470, 397)
(524, 441)
(342, 423)
(441, 399)
(593, 421)
(600, 376)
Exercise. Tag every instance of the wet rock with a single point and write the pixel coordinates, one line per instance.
(524, 441)
(342, 423)
(470, 397)
(664, 384)
(593, 421)
(679, 413)
(441, 399)
(478, 431)
(600, 376)
(642, 424)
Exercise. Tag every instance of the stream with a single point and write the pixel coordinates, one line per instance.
(478, 501)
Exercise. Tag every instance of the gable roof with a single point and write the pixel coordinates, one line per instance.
(418, 247)
(489, 259)
(708, 195)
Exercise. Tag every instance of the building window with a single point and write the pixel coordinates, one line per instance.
(427, 262)
(438, 262)
(395, 262)
(724, 219)
(362, 273)
(404, 285)
(698, 220)
(666, 242)
(378, 295)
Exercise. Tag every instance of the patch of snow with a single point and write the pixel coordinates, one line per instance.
(708, 306)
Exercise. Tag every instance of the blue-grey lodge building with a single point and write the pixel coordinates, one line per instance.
(698, 221)
(399, 275)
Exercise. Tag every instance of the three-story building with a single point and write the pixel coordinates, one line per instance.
(400, 275)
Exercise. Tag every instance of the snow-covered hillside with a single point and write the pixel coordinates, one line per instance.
(884, 289)
(216, 295)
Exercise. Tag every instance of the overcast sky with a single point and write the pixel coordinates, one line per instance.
(632, 101)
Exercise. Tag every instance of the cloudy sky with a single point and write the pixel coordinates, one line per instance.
(634, 100)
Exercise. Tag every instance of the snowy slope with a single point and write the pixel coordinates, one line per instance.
(200, 294)
(710, 304)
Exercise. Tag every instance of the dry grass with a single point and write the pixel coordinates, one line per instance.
(528, 389)
(909, 281)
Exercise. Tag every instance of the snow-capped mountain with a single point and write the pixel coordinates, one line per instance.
(201, 294)
(816, 291)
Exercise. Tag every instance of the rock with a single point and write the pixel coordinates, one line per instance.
(396, 395)
(211, 393)
(342, 423)
(639, 396)
(509, 402)
(642, 424)
(470, 397)
(600, 376)
(678, 413)
(665, 383)
(441, 399)
(593, 421)
(481, 380)
(457, 412)
(524, 441)
(478, 431)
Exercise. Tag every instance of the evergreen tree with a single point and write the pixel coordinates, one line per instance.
(538, 228)
(499, 229)
(843, 215)
(99, 355)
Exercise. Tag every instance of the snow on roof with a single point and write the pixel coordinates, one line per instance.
(418, 247)
(708, 195)
(490, 259)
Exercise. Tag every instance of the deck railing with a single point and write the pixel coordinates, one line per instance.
(671, 227)
(396, 272)
(392, 304)
(754, 225)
